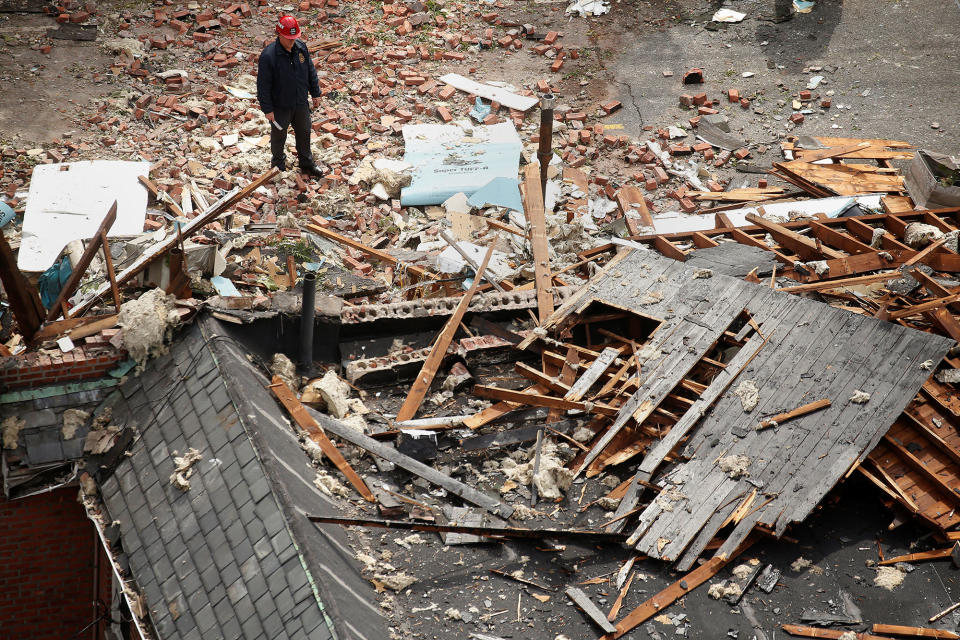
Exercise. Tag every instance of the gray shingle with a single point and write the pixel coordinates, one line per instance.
(221, 550)
(252, 627)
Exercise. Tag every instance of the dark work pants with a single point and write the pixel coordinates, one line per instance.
(299, 117)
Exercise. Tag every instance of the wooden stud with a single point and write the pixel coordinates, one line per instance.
(420, 387)
(289, 400)
(533, 209)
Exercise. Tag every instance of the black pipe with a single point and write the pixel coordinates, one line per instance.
(545, 150)
(308, 312)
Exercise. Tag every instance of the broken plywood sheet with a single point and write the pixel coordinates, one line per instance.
(68, 202)
(459, 157)
(814, 351)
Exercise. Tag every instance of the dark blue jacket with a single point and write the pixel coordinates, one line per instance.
(284, 78)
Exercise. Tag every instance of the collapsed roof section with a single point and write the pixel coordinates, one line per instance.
(209, 505)
(797, 351)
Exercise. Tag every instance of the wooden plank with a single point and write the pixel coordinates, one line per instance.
(744, 238)
(91, 328)
(826, 285)
(780, 418)
(420, 386)
(538, 400)
(793, 240)
(583, 601)
(812, 155)
(80, 270)
(533, 209)
(290, 402)
(930, 305)
(937, 554)
(161, 248)
(21, 295)
(840, 240)
(717, 388)
(669, 249)
(816, 632)
(674, 592)
(934, 287)
(161, 196)
(385, 451)
(631, 199)
(375, 253)
(498, 410)
(593, 372)
(108, 267)
(914, 632)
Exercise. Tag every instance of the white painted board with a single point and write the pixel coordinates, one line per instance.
(490, 92)
(677, 222)
(68, 202)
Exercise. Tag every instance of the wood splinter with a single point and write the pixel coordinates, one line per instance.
(780, 418)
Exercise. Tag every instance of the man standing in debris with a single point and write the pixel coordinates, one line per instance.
(285, 77)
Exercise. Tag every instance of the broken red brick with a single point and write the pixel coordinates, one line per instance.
(744, 103)
(700, 99)
(805, 95)
(762, 183)
(796, 118)
(825, 104)
(693, 76)
(557, 64)
(686, 100)
(706, 111)
(687, 205)
(610, 107)
(551, 37)
(444, 114)
(741, 153)
(702, 146)
(733, 95)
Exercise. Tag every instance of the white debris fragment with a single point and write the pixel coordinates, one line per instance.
(703, 273)
(410, 540)
(734, 466)
(728, 15)
(552, 478)
(147, 324)
(918, 235)
(949, 376)
(11, 431)
(799, 564)
(668, 497)
(651, 297)
(453, 614)
(859, 397)
(724, 589)
(73, 419)
(330, 485)
(741, 571)
(329, 392)
(283, 367)
(183, 468)
(749, 395)
(926, 365)
(396, 581)
(888, 578)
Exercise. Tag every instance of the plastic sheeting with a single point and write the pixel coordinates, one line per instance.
(459, 157)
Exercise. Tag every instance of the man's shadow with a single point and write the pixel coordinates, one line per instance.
(795, 40)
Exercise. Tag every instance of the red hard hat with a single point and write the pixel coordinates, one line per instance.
(288, 27)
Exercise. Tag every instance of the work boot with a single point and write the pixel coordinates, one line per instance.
(311, 170)
(281, 164)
